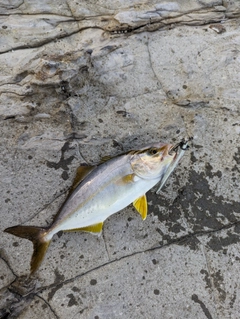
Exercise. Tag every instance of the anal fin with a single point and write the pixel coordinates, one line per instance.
(141, 206)
(96, 228)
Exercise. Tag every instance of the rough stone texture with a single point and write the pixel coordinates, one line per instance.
(80, 80)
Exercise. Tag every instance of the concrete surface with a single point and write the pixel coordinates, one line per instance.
(82, 80)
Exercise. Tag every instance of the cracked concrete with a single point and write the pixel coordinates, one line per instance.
(81, 81)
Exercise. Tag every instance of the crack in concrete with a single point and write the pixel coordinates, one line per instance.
(24, 299)
(14, 304)
(76, 19)
(14, 93)
(47, 41)
(5, 259)
(168, 23)
(134, 96)
(14, 7)
(186, 124)
(49, 306)
(70, 9)
(153, 71)
(34, 14)
(45, 207)
(104, 240)
(12, 83)
(80, 153)
(78, 313)
(180, 240)
(165, 24)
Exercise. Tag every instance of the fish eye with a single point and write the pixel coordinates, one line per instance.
(153, 151)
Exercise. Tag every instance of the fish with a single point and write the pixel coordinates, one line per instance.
(102, 190)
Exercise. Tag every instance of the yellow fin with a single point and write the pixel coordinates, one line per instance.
(141, 206)
(96, 228)
(82, 172)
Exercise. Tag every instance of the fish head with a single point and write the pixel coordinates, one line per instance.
(153, 162)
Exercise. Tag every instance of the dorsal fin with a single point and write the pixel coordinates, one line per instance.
(81, 173)
(141, 206)
(105, 159)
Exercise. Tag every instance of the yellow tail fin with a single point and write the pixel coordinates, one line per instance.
(36, 235)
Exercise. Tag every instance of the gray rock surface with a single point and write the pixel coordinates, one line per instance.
(80, 80)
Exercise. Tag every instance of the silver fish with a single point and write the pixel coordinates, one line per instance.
(98, 192)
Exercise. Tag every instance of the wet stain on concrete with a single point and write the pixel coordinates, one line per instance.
(233, 299)
(93, 282)
(218, 282)
(206, 277)
(202, 210)
(65, 175)
(202, 305)
(58, 281)
(236, 156)
(232, 236)
(154, 261)
(72, 300)
(206, 207)
(63, 163)
(191, 241)
(156, 292)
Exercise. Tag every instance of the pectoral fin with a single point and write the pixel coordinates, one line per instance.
(141, 206)
(96, 228)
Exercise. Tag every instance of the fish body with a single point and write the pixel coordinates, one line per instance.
(105, 190)
(108, 189)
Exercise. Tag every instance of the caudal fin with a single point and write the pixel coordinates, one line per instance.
(36, 235)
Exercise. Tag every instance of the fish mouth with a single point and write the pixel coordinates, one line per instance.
(168, 150)
(177, 155)
(173, 150)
